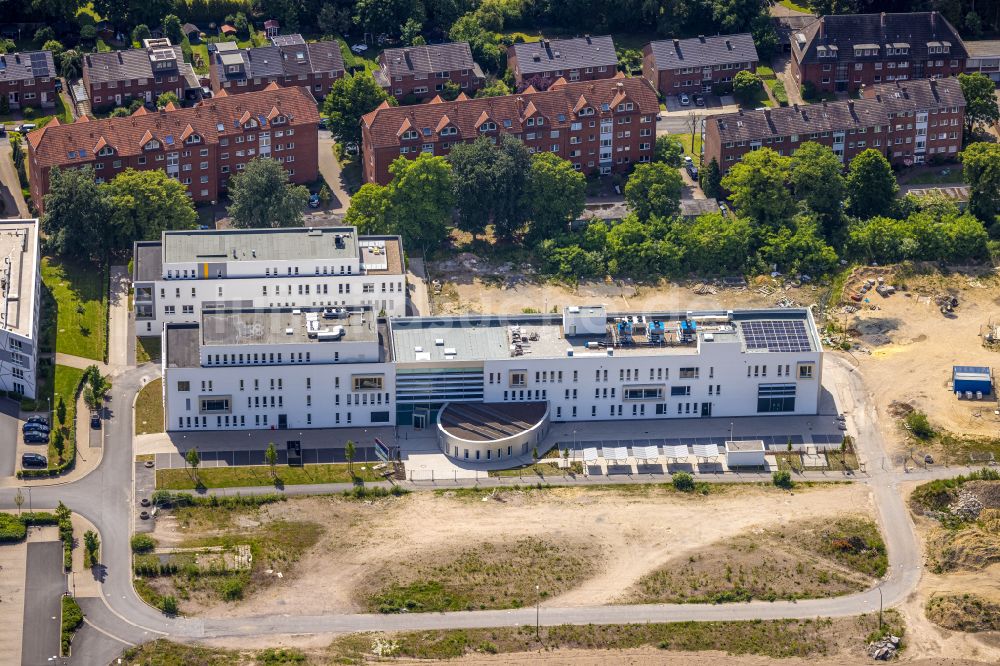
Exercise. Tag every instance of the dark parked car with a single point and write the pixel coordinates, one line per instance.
(95, 421)
(35, 427)
(692, 171)
(36, 438)
(38, 419)
(33, 460)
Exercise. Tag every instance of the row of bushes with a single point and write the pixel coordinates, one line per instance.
(937, 495)
(166, 498)
(72, 618)
(14, 528)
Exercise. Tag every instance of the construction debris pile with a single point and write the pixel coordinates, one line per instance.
(946, 303)
(967, 506)
(885, 649)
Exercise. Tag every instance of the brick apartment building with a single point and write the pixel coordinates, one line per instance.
(909, 122)
(421, 72)
(542, 63)
(676, 66)
(600, 126)
(201, 146)
(28, 79)
(115, 78)
(845, 52)
(288, 61)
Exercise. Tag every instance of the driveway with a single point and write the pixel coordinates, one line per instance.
(45, 584)
(684, 118)
(10, 187)
(782, 66)
(330, 170)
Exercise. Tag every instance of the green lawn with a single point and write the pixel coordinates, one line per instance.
(60, 111)
(790, 4)
(692, 145)
(352, 60)
(147, 349)
(67, 380)
(935, 176)
(80, 292)
(260, 475)
(538, 470)
(149, 408)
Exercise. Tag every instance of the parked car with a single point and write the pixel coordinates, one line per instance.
(314, 200)
(929, 459)
(38, 419)
(35, 427)
(359, 48)
(58, 83)
(3, 130)
(699, 100)
(33, 460)
(692, 171)
(685, 100)
(24, 128)
(688, 160)
(95, 421)
(323, 122)
(36, 438)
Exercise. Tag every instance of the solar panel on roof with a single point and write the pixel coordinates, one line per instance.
(778, 335)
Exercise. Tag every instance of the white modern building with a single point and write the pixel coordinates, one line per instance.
(489, 384)
(20, 288)
(273, 268)
(277, 368)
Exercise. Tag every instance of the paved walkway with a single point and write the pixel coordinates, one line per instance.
(10, 186)
(329, 168)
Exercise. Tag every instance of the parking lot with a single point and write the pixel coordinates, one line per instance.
(42, 612)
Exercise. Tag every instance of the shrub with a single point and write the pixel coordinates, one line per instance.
(231, 589)
(168, 605)
(143, 543)
(917, 423)
(683, 481)
(782, 479)
(12, 528)
(375, 492)
(72, 617)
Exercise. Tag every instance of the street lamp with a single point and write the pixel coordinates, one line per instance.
(538, 606)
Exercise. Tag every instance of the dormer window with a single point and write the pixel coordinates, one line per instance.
(71, 154)
(488, 126)
(279, 120)
(107, 150)
(409, 135)
(449, 131)
(250, 125)
(427, 131)
(194, 138)
(152, 145)
(530, 122)
(587, 111)
(540, 122)
(507, 123)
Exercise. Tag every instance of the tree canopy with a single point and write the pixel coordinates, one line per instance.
(556, 195)
(654, 189)
(981, 170)
(980, 101)
(818, 180)
(757, 187)
(76, 212)
(351, 97)
(669, 150)
(262, 196)
(871, 185)
(146, 203)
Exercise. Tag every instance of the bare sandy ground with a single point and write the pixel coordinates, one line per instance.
(637, 534)
(924, 638)
(665, 658)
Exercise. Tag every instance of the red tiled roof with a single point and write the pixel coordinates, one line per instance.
(61, 145)
(562, 99)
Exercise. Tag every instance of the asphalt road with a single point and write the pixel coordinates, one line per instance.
(44, 586)
(126, 619)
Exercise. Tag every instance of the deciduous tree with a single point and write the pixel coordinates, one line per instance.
(871, 185)
(350, 98)
(368, 209)
(818, 179)
(421, 199)
(556, 195)
(980, 100)
(76, 212)
(144, 204)
(981, 162)
(654, 189)
(757, 188)
(262, 196)
(669, 150)
(711, 180)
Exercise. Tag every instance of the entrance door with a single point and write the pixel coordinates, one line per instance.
(419, 421)
(282, 421)
(706, 409)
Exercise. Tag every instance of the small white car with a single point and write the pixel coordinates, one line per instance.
(359, 48)
(685, 100)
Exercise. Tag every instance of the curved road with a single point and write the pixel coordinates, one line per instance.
(105, 498)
